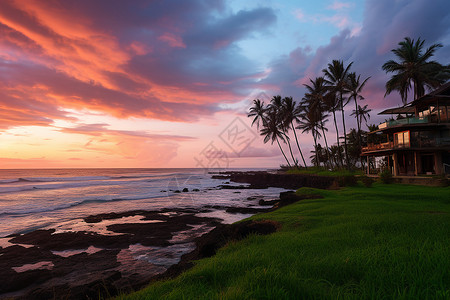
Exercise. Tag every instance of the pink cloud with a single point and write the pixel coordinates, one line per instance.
(173, 40)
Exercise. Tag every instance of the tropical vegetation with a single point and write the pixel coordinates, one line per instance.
(329, 94)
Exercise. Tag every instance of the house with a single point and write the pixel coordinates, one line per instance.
(418, 141)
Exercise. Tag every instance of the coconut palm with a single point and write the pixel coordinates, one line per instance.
(291, 113)
(414, 68)
(272, 132)
(315, 97)
(309, 122)
(276, 106)
(336, 76)
(257, 111)
(363, 113)
(355, 87)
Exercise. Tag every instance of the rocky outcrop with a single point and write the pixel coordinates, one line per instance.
(288, 181)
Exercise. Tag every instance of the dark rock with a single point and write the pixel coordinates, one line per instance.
(196, 190)
(244, 210)
(236, 192)
(177, 191)
(185, 190)
(259, 180)
(220, 177)
(263, 202)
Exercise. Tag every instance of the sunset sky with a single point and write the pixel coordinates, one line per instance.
(160, 83)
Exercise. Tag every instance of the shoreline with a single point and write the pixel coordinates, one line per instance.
(50, 266)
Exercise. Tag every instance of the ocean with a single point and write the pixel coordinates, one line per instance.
(33, 199)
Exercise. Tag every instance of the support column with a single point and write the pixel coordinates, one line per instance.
(438, 163)
(416, 171)
(368, 165)
(395, 160)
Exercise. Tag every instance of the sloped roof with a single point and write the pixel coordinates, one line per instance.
(398, 110)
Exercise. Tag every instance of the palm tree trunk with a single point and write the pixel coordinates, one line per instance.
(315, 149)
(345, 132)
(326, 145)
(283, 154)
(359, 129)
(290, 150)
(298, 146)
(337, 137)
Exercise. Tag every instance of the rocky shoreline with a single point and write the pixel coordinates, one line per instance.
(40, 264)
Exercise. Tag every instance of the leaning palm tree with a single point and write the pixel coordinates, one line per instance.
(414, 68)
(272, 132)
(276, 106)
(291, 113)
(257, 111)
(336, 76)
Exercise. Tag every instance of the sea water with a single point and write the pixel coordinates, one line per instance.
(31, 199)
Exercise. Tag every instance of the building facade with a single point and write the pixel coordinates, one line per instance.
(418, 141)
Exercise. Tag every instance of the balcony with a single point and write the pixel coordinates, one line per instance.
(405, 121)
(421, 143)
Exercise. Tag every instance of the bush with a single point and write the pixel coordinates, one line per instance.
(367, 181)
(386, 177)
(347, 180)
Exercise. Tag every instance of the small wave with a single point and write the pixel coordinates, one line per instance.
(78, 203)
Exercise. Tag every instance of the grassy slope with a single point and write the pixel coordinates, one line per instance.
(384, 242)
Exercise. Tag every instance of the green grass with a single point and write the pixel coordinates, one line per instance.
(323, 172)
(384, 242)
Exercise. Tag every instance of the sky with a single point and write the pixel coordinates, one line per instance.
(167, 84)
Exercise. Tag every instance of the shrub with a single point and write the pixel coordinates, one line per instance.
(367, 181)
(347, 180)
(386, 177)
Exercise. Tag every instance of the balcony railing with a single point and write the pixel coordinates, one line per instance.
(422, 143)
(414, 120)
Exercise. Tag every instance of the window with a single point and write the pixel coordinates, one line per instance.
(401, 139)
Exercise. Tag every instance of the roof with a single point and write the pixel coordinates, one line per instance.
(398, 110)
(443, 91)
(437, 92)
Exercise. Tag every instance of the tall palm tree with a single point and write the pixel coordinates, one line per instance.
(276, 106)
(336, 76)
(315, 97)
(309, 122)
(413, 68)
(355, 87)
(290, 113)
(363, 113)
(257, 111)
(272, 132)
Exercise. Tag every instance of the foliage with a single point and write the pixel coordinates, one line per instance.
(347, 180)
(386, 242)
(414, 68)
(367, 181)
(386, 176)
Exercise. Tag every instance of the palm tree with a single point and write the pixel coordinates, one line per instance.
(355, 87)
(414, 68)
(257, 110)
(276, 106)
(290, 113)
(363, 113)
(336, 77)
(271, 131)
(309, 122)
(315, 97)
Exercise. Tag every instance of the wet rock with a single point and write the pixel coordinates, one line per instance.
(263, 202)
(244, 210)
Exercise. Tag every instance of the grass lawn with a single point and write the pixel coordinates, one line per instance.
(383, 242)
